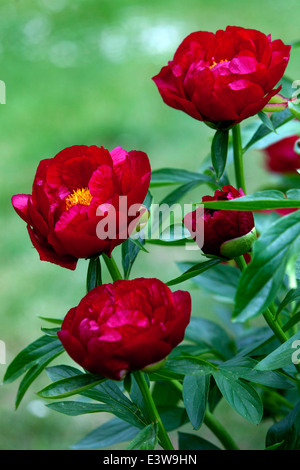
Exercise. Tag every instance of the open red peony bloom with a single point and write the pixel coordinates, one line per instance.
(125, 326)
(226, 233)
(281, 156)
(75, 191)
(225, 77)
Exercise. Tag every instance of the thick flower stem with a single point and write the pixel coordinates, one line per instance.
(280, 334)
(219, 431)
(152, 410)
(238, 157)
(240, 261)
(112, 267)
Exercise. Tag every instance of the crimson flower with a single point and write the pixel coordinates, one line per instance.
(226, 233)
(125, 326)
(223, 78)
(281, 157)
(75, 191)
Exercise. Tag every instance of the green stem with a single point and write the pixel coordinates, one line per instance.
(240, 261)
(152, 410)
(112, 267)
(238, 157)
(275, 327)
(219, 431)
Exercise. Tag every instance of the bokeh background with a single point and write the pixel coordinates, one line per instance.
(79, 72)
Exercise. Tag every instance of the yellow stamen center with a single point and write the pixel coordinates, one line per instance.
(79, 196)
(216, 63)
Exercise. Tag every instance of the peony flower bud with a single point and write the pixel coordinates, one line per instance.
(125, 326)
(238, 246)
(226, 233)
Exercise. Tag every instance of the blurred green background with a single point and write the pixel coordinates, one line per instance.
(79, 72)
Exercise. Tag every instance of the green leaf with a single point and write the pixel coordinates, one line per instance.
(214, 396)
(173, 417)
(167, 176)
(266, 121)
(288, 89)
(286, 432)
(278, 119)
(188, 365)
(110, 393)
(195, 270)
(139, 244)
(195, 394)
(274, 446)
(38, 352)
(260, 200)
(138, 400)
(110, 433)
(93, 278)
(30, 376)
(263, 277)
(56, 321)
(166, 394)
(77, 408)
(62, 372)
(295, 109)
(253, 340)
(291, 322)
(50, 331)
(168, 241)
(178, 193)
(130, 251)
(107, 392)
(192, 442)
(241, 396)
(164, 375)
(219, 151)
(70, 386)
(176, 234)
(245, 368)
(202, 330)
(131, 247)
(282, 356)
(220, 280)
(292, 296)
(146, 439)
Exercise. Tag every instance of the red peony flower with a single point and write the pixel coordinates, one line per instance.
(281, 156)
(75, 191)
(225, 77)
(226, 233)
(125, 326)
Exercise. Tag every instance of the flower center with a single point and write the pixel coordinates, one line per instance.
(213, 63)
(79, 196)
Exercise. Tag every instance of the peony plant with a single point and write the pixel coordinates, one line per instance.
(141, 349)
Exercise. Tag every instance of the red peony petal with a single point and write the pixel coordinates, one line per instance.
(47, 253)
(20, 204)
